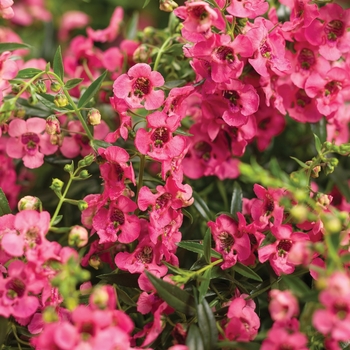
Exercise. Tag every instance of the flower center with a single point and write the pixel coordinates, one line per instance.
(160, 136)
(118, 170)
(202, 150)
(284, 246)
(145, 256)
(199, 12)
(117, 217)
(31, 141)
(332, 88)
(269, 204)
(226, 241)
(163, 200)
(232, 96)
(306, 59)
(334, 29)
(15, 288)
(302, 99)
(225, 53)
(141, 87)
(265, 49)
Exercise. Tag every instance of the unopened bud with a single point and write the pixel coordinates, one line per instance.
(86, 161)
(95, 262)
(20, 112)
(55, 87)
(141, 54)
(57, 185)
(33, 100)
(82, 205)
(94, 117)
(78, 236)
(56, 140)
(100, 297)
(323, 200)
(299, 212)
(52, 125)
(60, 100)
(84, 174)
(40, 86)
(50, 315)
(332, 224)
(69, 168)
(29, 203)
(167, 5)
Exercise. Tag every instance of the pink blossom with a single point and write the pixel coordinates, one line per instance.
(232, 244)
(6, 10)
(330, 31)
(8, 70)
(110, 33)
(283, 305)
(72, 20)
(27, 11)
(138, 86)
(28, 142)
(243, 322)
(248, 8)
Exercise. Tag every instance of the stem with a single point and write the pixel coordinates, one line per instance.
(76, 110)
(161, 50)
(141, 171)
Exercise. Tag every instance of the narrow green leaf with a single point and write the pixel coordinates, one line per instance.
(207, 325)
(177, 298)
(4, 204)
(236, 200)
(37, 110)
(132, 26)
(302, 164)
(207, 246)
(197, 248)
(296, 285)
(28, 73)
(57, 220)
(121, 279)
(202, 207)
(318, 144)
(246, 272)
(96, 144)
(3, 330)
(320, 129)
(186, 213)
(58, 63)
(174, 83)
(145, 3)
(12, 46)
(173, 269)
(125, 298)
(204, 285)
(91, 90)
(71, 83)
(194, 340)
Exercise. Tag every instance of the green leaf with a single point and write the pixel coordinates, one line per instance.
(207, 325)
(340, 178)
(71, 83)
(320, 129)
(12, 46)
(246, 272)
(296, 285)
(28, 73)
(197, 248)
(174, 269)
(58, 63)
(174, 83)
(177, 298)
(4, 204)
(194, 340)
(37, 110)
(238, 345)
(3, 330)
(47, 100)
(236, 200)
(202, 207)
(302, 164)
(204, 285)
(121, 279)
(91, 90)
(145, 3)
(318, 144)
(57, 220)
(96, 144)
(207, 246)
(131, 31)
(125, 298)
(186, 213)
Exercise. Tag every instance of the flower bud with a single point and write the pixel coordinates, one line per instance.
(57, 185)
(40, 86)
(299, 212)
(95, 262)
(84, 174)
(55, 87)
(167, 5)
(78, 236)
(33, 100)
(99, 298)
(52, 125)
(50, 315)
(332, 224)
(60, 100)
(29, 203)
(56, 140)
(82, 205)
(20, 112)
(141, 54)
(69, 168)
(94, 117)
(86, 161)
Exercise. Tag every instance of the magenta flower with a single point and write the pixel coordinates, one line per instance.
(159, 143)
(232, 244)
(248, 8)
(6, 10)
(138, 86)
(283, 305)
(28, 141)
(8, 69)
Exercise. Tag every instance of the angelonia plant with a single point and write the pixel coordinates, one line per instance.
(182, 188)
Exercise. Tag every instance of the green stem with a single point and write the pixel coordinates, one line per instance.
(161, 51)
(76, 110)
(141, 171)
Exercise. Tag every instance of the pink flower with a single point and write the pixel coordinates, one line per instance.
(28, 141)
(110, 33)
(330, 31)
(138, 86)
(6, 10)
(159, 143)
(283, 305)
(8, 70)
(232, 244)
(72, 20)
(243, 322)
(248, 8)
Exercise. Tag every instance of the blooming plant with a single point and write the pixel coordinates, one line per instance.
(182, 188)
